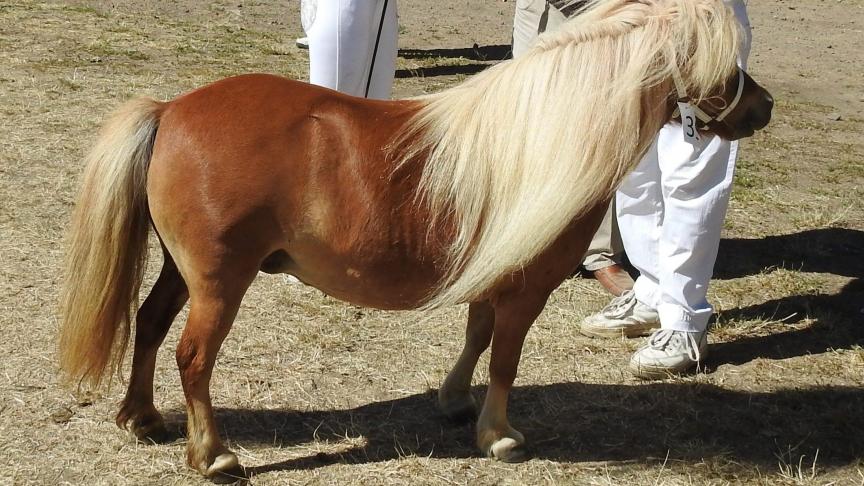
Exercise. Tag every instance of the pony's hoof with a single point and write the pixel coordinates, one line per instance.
(508, 450)
(150, 431)
(459, 410)
(226, 469)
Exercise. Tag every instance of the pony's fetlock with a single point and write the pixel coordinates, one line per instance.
(144, 421)
(458, 407)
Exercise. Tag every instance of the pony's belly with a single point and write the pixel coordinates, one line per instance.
(391, 284)
(366, 291)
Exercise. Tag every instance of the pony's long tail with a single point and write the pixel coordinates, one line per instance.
(107, 245)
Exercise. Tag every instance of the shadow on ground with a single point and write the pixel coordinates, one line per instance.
(575, 422)
(489, 55)
(476, 53)
(839, 251)
(838, 323)
(838, 319)
(429, 72)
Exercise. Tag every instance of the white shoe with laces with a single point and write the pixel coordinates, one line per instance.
(669, 352)
(623, 316)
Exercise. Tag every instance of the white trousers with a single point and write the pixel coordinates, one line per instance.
(342, 37)
(670, 212)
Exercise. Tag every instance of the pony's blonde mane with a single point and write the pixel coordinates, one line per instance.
(520, 150)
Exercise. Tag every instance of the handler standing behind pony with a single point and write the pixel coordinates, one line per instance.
(671, 210)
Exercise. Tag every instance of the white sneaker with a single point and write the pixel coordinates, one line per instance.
(669, 352)
(302, 42)
(623, 316)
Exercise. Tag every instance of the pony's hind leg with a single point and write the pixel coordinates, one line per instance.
(454, 397)
(152, 322)
(214, 302)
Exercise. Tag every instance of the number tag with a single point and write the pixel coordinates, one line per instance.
(688, 122)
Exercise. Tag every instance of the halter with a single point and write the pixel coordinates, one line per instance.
(704, 117)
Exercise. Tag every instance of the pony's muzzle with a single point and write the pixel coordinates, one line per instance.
(760, 115)
(756, 116)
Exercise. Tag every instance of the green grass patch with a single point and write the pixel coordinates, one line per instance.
(82, 9)
(105, 49)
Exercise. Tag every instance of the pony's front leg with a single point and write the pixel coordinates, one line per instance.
(454, 397)
(513, 317)
(211, 313)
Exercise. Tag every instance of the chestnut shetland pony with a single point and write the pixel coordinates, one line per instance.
(406, 204)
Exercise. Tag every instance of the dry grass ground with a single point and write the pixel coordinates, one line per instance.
(310, 390)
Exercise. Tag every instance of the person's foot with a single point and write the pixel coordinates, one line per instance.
(669, 352)
(614, 279)
(623, 316)
(303, 42)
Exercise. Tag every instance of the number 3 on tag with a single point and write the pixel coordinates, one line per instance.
(688, 122)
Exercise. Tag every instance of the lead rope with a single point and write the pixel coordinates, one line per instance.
(375, 52)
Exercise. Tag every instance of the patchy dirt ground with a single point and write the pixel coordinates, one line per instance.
(310, 390)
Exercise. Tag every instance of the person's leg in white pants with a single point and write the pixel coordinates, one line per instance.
(532, 18)
(342, 39)
(670, 211)
(675, 248)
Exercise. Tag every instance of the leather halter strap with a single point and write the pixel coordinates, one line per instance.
(704, 117)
